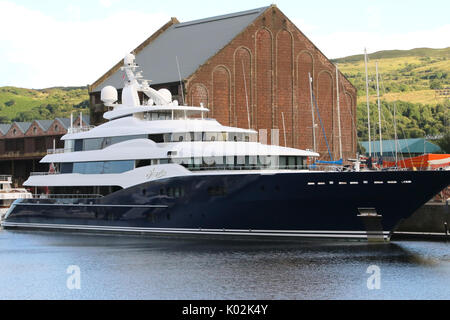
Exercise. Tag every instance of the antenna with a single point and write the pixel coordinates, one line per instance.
(368, 105)
(379, 111)
(181, 83)
(246, 96)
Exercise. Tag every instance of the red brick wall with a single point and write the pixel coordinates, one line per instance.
(277, 58)
(221, 99)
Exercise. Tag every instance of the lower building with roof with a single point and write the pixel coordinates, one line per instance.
(23, 144)
(405, 148)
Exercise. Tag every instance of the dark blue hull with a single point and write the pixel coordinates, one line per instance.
(310, 204)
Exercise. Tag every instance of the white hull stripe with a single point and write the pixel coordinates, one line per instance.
(268, 233)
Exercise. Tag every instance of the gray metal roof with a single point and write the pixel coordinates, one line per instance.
(23, 126)
(44, 124)
(4, 127)
(65, 122)
(192, 42)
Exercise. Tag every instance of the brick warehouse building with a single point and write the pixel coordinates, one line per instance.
(258, 56)
(24, 144)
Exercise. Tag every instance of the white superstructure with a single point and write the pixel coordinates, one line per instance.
(9, 194)
(157, 139)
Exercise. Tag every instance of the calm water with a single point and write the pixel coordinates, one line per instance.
(33, 265)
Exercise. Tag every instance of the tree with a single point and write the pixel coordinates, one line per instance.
(435, 84)
(444, 142)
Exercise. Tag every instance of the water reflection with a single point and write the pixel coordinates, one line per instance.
(34, 264)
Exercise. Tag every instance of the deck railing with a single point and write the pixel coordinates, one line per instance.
(5, 178)
(58, 151)
(43, 173)
(66, 196)
(79, 129)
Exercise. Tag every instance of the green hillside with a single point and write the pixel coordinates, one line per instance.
(18, 104)
(410, 80)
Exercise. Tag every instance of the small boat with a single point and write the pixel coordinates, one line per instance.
(8, 194)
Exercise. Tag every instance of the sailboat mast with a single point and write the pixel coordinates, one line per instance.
(368, 106)
(395, 136)
(338, 113)
(379, 111)
(312, 112)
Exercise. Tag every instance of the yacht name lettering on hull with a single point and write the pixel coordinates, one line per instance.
(156, 174)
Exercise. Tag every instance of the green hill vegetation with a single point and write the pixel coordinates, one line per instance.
(18, 104)
(409, 79)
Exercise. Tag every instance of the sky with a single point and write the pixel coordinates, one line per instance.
(50, 43)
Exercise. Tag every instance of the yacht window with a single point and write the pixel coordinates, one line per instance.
(106, 142)
(103, 167)
(69, 144)
(100, 143)
(143, 163)
(198, 136)
(167, 137)
(92, 144)
(209, 161)
(210, 136)
(282, 162)
(217, 191)
(158, 138)
(291, 162)
(66, 167)
(78, 145)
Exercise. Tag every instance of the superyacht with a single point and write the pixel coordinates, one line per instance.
(157, 167)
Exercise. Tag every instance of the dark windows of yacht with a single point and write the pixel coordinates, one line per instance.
(97, 167)
(158, 138)
(203, 136)
(242, 163)
(70, 192)
(193, 164)
(143, 163)
(172, 192)
(99, 143)
(217, 191)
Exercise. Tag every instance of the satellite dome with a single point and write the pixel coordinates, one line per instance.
(166, 94)
(108, 95)
(129, 60)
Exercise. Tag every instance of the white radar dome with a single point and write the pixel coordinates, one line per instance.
(166, 94)
(129, 60)
(108, 95)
